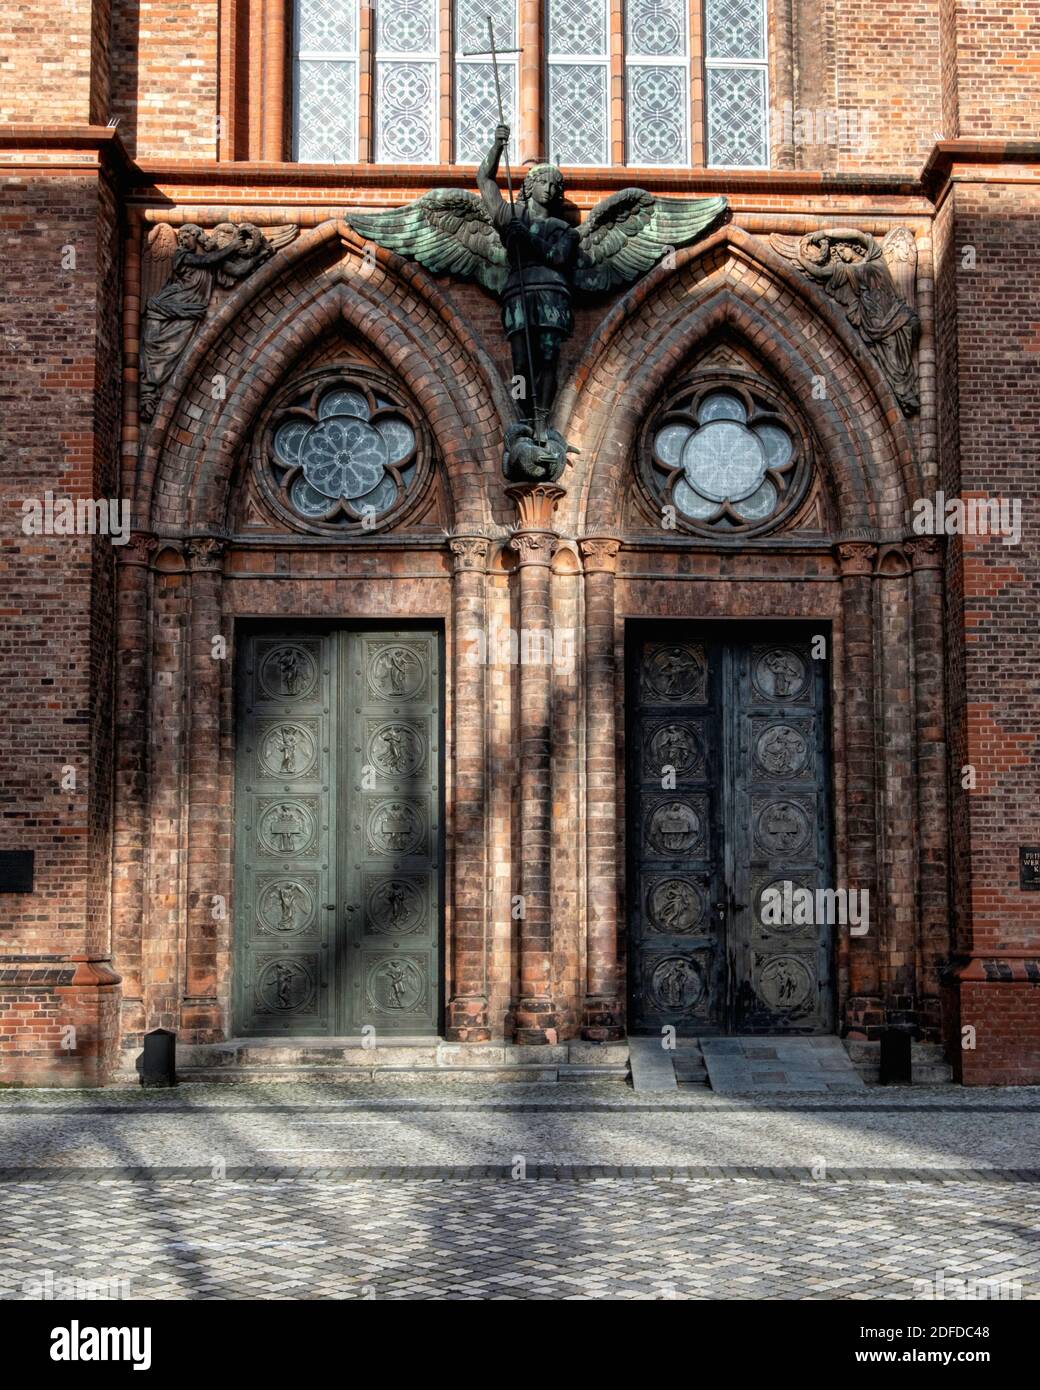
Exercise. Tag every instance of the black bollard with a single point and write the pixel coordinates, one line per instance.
(159, 1064)
(896, 1067)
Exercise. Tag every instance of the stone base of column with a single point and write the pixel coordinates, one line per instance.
(601, 1019)
(467, 1020)
(535, 1022)
(864, 1018)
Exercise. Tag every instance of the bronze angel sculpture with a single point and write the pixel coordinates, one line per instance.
(874, 282)
(533, 259)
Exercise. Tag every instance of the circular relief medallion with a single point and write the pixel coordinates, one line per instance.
(676, 984)
(286, 827)
(781, 674)
(396, 750)
(285, 986)
(675, 828)
(781, 751)
(675, 745)
(783, 827)
(676, 905)
(785, 983)
(783, 910)
(396, 983)
(285, 905)
(396, 672)
(395, 907)
(288, 672)
(287, 750)
(674, 673)
(395, 827)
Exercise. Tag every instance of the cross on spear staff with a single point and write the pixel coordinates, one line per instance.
(493, 52)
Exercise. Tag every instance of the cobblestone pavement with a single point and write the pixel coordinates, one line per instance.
(433, 1191)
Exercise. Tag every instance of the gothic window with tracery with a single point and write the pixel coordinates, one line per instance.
(342, 450)
(724, 457)
(736, 83)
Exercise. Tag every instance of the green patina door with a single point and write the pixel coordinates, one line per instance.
(338, 832)
(728, 780)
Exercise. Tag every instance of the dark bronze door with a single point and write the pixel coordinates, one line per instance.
(338, 814)
(727, 800)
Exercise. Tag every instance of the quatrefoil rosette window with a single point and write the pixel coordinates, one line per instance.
(345, 453)
(726, 458)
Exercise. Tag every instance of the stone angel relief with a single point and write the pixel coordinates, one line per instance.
(875, 283)
(180, 268)
(533, 259)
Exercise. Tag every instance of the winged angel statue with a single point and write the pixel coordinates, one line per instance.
(533, 260)
(179, 271)
(874, 282)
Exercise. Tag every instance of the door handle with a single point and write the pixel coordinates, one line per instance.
(720, 910)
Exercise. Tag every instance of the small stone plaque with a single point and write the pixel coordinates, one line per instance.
(1029, 867)
(16, 871)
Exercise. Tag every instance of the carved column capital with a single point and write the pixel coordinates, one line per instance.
(139, 549)
(925, 552)
(470, 552)
(536, 503)
(205, 553)
(534, 547)
(856, 557)
(600, 554)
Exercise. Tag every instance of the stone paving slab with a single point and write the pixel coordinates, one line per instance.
(626, 1238)
(652, 1066)
(753, 1066)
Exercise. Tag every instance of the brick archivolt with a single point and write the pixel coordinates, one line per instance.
(325, 282)
(733, 286)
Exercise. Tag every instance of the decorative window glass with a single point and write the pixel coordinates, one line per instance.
(657, 102)
(406, 81)
(737, 83)
(726, 458)
(578, 61)
(325, 72)
(476, 104)
(342, 450)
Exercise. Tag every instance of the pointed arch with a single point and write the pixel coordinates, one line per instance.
(329, 277)
(733, 285)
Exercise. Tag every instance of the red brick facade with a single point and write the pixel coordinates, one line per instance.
(121, 738)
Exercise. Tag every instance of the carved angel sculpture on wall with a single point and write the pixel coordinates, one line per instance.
(533, 258)
(180, 269)
(875, 283)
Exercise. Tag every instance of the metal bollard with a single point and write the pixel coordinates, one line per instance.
(896, 1065)
(159, 1064)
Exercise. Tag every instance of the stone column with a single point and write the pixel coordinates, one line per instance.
(209, 821)
(602, 1013)
(468, 1001)
(930, 750)
(856, 559)
(534, 541)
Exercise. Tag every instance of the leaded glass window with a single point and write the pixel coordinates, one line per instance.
(342, 450)
(737, 83)
(476, 105)
(406, 81)
(657, 102)
(578, 61)
(325, 71)
(724, 458)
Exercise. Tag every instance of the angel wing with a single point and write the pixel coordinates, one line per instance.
(788, 246)
(900, 252)
(627, 233)
(448, 231)
(281, 235)
(157, 261)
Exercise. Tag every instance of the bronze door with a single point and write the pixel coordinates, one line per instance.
(338, 846)
(727, 799)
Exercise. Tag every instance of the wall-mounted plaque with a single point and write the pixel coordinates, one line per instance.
(16, 870)
(1029, 867)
